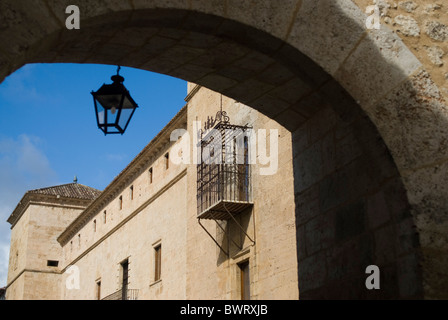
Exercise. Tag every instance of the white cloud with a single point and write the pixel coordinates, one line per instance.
(4, 258)
(115, 157)
(23, 166)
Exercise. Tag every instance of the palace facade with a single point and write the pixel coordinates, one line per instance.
(188, 218)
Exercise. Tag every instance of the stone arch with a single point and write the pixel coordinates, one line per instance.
(313, 67)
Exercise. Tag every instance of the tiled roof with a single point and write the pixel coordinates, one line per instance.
(71, 190)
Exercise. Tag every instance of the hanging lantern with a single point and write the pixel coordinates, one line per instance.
(114, 106)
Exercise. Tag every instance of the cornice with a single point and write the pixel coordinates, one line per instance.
(192, 92)
(44, 200)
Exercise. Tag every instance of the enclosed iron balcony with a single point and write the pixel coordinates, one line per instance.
(223, 175)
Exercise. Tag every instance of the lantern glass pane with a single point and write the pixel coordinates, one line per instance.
(124, 117)
(112, 114)
(127, 104)
(101, 114)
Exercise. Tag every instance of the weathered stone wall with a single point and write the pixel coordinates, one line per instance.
(33, 243)
(423, 27)
(17, 257)
(352, 212)
(271, 222)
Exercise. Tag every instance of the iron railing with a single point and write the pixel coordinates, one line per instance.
(223, 175)
(129, 294)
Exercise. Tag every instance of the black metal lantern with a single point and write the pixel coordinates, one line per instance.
(114, 106)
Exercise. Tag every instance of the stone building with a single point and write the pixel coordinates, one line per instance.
(160, 230)
(366, 108)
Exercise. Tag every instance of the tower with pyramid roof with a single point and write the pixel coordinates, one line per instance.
(36, 222)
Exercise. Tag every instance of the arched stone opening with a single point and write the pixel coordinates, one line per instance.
(357, 102)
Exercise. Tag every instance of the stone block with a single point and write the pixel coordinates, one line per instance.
(407, 237)
(347, 184)
(346, 150)
(308, 167)
(380, 62)
(377, 210)
(312, 272)
(321, 123)
(385, 250)
(350, 221)
(265, 15)
(408, 26)
(412, 122)
(409, 277)
(329, 151)
(319, 233)
(327, 31)
(290, 119)
(436, 30)
(307, 205)
(300, 140)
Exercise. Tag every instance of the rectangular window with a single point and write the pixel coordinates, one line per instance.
(120, 202)
(150, 175)
(94, 225)
(124, 277)
(158, 262)
(52, 263)
(131, 189)
(104, 216)
(79, 240)
(98, 290)
(167, 161)
(245, 280)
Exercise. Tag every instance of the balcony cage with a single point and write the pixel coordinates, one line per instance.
(126, 294)
(223, 176)
(224, 187)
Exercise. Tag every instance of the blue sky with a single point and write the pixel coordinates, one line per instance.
(48, 131)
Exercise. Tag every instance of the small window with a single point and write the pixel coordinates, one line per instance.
(158, 262)
(94, 225)
(71, 246)
(98, 290)
(167, 161)
(79, 240)
(120, 202)
(52, 263)
(16, 260)
(131, 189)
(245, 280)
(124, 279)
(150, 175)
(104, 216)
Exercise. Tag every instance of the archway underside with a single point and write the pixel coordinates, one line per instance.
(355, 203)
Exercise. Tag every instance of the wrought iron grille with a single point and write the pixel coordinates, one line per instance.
(223, 174)
(129, 294)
